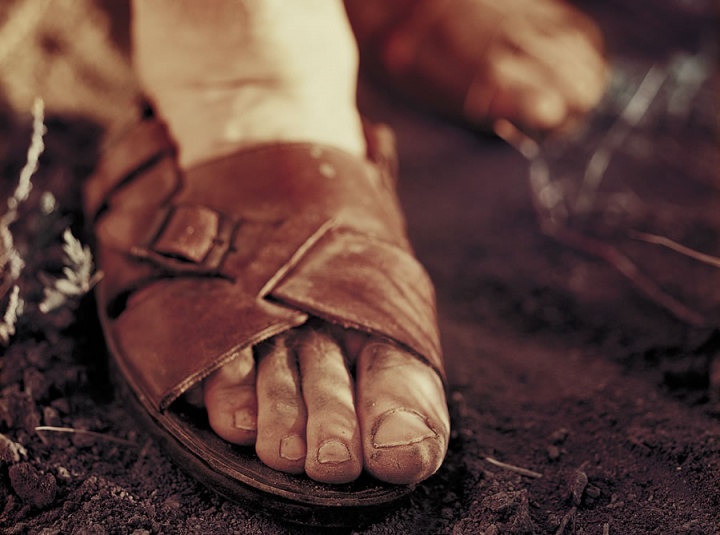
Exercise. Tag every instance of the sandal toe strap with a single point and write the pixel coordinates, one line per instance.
(202, 264)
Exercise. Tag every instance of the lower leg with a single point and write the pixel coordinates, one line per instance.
(230, 73)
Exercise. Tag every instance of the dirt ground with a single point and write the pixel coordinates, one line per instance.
(595, 383)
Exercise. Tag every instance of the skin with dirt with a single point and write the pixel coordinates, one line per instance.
(581, 403)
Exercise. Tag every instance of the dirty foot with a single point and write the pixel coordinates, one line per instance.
(305, 412)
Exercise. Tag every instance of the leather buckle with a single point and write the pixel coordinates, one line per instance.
(191, 239)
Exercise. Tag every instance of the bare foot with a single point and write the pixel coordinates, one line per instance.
(537, 63)
(318, 399)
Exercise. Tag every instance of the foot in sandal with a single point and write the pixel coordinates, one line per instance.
(248, 270)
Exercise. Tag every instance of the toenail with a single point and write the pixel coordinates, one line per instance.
(401, 427)
(292, 448)
(246, 420)
(333, 451)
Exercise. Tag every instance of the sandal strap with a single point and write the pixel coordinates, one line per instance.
(202, 264)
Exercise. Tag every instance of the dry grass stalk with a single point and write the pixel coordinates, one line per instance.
(11, 263)
(513, 468)
(78, 279)
(37, 146)
(677, 247)
(552, 206)
(12, 312)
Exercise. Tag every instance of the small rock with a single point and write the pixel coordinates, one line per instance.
(62, 474)
(173, 502)
(553, 452)
(35, 384)
(61, 405)
(592, 491)
(31, 486)
(578, 486)
(24, 412)
(559, 436)
(51, 416)
(11, 452)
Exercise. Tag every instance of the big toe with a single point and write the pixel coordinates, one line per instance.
(403, 415)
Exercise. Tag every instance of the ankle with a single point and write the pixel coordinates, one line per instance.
(208, 123)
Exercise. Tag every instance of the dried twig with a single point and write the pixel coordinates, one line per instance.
(513, 468)
(677, 247)
(628, 269)
(616, 135)
(94, 434)
(566, 520)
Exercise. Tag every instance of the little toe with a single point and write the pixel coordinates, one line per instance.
(230, 400)
(281, 410)
(403, 415)
(334, 451)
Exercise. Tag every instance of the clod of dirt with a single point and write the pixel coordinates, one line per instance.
(511, 509)
(22, 411)
(32, 487)
(559, 436)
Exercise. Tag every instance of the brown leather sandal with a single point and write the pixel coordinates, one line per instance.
(201, 264)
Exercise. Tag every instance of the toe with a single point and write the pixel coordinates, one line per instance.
(334, 451)
(230, 400)
(523, 95)
(281, 410)
(403, 415)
